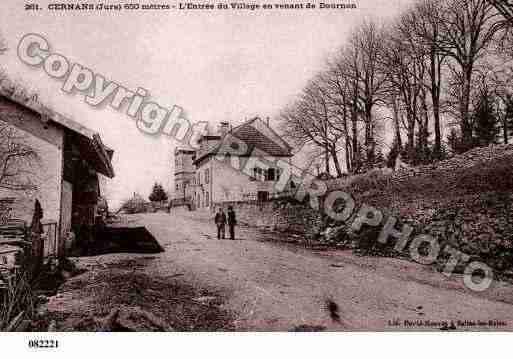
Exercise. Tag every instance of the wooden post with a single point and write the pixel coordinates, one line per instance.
(36, 228)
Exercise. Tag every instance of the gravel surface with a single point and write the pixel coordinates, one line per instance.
(283, 287)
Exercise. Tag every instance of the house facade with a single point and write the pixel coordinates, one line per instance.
(184, 174)
(64, 176)
(207, 180)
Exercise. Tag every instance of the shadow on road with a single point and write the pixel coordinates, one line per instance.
(123, 240)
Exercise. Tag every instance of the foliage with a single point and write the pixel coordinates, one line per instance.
(486, 126)
(3, 45)
(454, 142)
(16, 297)
(158, 194)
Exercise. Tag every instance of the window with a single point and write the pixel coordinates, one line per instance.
(258, 174)
(271, 174)
(207, 172)
(262, 196)
(206, 199)
(177, 187)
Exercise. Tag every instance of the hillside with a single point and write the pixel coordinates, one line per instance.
(465, 201)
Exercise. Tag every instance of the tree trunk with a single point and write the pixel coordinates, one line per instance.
(435, 99)
(424, 130)
(411, 136)
(397, 128)
(505, 130)
(348, 155)
(327, 159)
(356, 152)
(369, 136)
(336, 162)
(466, 128)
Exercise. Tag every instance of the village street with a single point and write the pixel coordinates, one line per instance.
(271, 286)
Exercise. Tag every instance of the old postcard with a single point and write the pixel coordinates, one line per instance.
(262, 166)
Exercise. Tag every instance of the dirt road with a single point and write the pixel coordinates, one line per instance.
(280, 287)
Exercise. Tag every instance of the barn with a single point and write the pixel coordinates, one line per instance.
(53, 159)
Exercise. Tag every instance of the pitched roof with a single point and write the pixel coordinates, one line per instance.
(254, 139)
(100, 154)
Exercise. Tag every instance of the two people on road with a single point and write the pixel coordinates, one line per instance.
(221, 219)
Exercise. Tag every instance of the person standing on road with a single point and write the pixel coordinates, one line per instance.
(221, 223)
(232, 221)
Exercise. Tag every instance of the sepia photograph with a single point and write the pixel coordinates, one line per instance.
(255, 168)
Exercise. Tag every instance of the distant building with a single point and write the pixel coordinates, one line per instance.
(184, 173)
(203, 181)
(66, 178)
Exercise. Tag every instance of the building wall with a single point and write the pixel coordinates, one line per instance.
(217, 181)
(226, 183)
(203, 181)
(229, 184)
(46, 174)
(183, 174)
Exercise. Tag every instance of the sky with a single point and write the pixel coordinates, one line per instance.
(216, 65)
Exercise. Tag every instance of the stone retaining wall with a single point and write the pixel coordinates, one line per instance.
(465, 201)
(280, 215)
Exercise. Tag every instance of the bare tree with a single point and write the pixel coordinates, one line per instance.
(307, 121)
(505, 8)
(17, 160)
(404, 69)
(3, 44)
(341, 98)
(418, 24)
(359, 62)
(422, 68)
(345, 81)
(500, 81)
(467, 28)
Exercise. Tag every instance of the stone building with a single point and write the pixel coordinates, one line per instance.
(65, 178)
(204, 181)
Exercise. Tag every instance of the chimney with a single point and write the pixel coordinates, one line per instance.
(223, 128)
(267, 121)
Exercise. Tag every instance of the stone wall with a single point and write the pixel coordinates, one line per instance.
(282, 215)
(465, 202)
